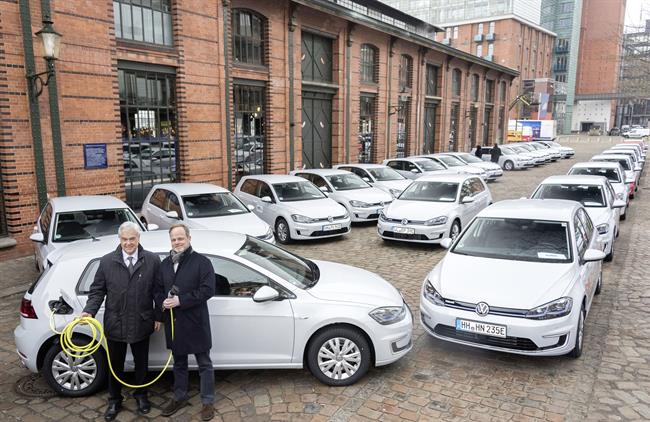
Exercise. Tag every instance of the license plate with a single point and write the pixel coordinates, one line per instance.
(481, 328)
(404, 230)
(331, 227)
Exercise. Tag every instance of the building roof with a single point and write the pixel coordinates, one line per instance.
(532, 209)
(499, 18)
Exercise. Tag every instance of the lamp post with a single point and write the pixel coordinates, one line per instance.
(51, 41)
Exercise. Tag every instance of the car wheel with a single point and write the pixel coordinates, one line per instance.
(580, 333)
(74, 377)
(599, 286)
(282, 231)
(339, 356)
(610, 256)
(509, 165)
(455, 230)
(624, 216)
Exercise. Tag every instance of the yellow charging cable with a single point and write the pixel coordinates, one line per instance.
(76, 351)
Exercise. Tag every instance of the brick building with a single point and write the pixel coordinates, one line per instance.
(182, 90)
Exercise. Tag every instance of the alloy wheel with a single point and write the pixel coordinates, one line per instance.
(282, 230)
(74, 373)
(339, 358)
(455, 230)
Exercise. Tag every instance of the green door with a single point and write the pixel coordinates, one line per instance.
(316, 130)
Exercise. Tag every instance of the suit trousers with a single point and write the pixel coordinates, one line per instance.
(117, 354)
(206, 374)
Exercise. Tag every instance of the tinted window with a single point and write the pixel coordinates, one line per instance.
(319, 182)
(477, 186)
(213, 205)
(87, 278)
(297, 191)
(469, 158)
(235, 279)
(397, 165)
(45, 220)
(347, 182)
(450, 161)
(173, 204)
(587, 195)
(265, 190)
(158, 198)
(430, 165)
(430, 191)
(385, 174)
(580, 236)
(87, 224)
(249, 187)
(611, 174)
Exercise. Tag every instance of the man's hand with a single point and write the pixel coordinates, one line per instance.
(85, 315)
(171, 302)
(157, 325)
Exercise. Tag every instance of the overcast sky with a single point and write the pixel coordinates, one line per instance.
(637, 11)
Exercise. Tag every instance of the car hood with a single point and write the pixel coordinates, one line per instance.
(315, 208)
(469, 169)
(486, 165)
(247, 223)
(500, 283)
(418, 210)
(370, 195)
(599, 215)
(343, 283)
(394, 184)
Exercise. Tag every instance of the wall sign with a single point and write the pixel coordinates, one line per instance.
(95, 156)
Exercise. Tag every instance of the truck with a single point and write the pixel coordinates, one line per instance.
(531, 130)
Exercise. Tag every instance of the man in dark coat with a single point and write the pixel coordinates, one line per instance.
(495, 154)
(125, 278)
(186, 283)
(479, 151)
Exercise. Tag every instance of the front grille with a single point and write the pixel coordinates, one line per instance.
(372, 216)
(514, 343)
(329, 232)
(405, 236)
(399, 221)
(326, 219)
(471, 307)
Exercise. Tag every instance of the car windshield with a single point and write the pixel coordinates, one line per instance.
(527, 148)
(621, 152)
(516, 239)
(430, 165)
(347, 182)
(622, 161)
(519, 149)
(430, 192)
(385, 174)
(87, 224)
(587, 195)
(300, 272)
(297, 191)
(213, 205)
(469, 158)
(450, 161)
(611, 174)
(508, 151)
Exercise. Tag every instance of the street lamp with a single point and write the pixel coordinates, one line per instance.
(51, 41)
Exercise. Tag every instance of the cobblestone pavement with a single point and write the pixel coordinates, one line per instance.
(436, 380)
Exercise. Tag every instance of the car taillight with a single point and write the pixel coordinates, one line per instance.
(27, 310)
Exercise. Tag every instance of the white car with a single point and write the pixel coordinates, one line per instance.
(202, 206)
(636, 149)
(379, 176)
(553, 152)
(433, 208)
(596, 194)
(509, 159)
(68, 219)
(613, 172)
(628, 168)
(567, 152)
(272, 309)
(414, 167)
(526, 146)
(493, 170)
(638, 166)
(638, 133)
(293, 207)
(456, 164)
(362, 201)
(536, 156)
(520, 279)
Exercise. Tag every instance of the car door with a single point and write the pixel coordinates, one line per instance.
(153, 209)
(264, 209)
(171, 203)
(468, 209)
(246, 333)
(583, 230)
(44, 226)
(481, 193)
(614, 213)
(400, 167)
(247, 193)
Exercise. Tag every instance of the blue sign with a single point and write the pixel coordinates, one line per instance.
(95, 156)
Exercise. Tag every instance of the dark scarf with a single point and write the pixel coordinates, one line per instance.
(177, 257)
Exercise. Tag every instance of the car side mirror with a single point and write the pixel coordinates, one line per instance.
(366, 179)
(266, 199)
(324, 189)
(172, 214)
(592, 255)
(446, 242)
(618, 204)
(467, 200)
(630, 180)
(250, 207)
(152, 227)
(265, 294)
(415, 171)
(637, 168)
(37, 237)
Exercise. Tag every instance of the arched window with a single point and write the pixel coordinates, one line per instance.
(456, 82)
(247, 37)
(369, 63)
(405, 72)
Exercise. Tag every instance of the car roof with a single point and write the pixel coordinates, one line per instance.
(86, 202)
(361, 165)
(416, 158)
(575, 179)
(275, 178)
(532, 209)
(454, 178)
(203, 241)
(322, 172)
(191, 188)
(611, 157)
(601, 164)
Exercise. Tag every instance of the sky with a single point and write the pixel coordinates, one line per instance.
(637, 11)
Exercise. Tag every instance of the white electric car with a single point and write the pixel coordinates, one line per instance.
(293, 206)
(509, 159)
(272, 309)
(362, 201)
(596, 194)
(628, 167)
(202, 206)
(433, 208)
(454, 163)
(415, 167)
(493, 170)
(379, 176)
(613, 172)
(520, 279)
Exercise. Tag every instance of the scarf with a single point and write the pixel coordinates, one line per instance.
(177, 257)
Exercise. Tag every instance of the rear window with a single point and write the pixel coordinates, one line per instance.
(76, 225)
(611, 174)
(587, 195)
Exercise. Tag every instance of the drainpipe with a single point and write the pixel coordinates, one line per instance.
(388, 94)
(226, 66)
(292, 122)
(34, 112)
(348, 45)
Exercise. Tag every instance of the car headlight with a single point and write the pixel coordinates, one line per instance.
(431, 294)
(360, 204)
(436, 221)
(555, 309)
(382, 216)
(346, 215)
(301, 218)
(395, 192)
(620, 196)
(387, 315)
(269, 234)
(602, 228)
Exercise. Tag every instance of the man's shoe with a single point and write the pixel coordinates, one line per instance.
(207, 412)
(144, 406)
(112, 410)
(173, 406)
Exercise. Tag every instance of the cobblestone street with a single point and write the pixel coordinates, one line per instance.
(436, 380)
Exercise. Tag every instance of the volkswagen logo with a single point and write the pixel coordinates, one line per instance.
(330, 218)
(405, 221)
(482, 308)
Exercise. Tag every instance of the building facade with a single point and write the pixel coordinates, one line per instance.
(634, 79)
(161, 90)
